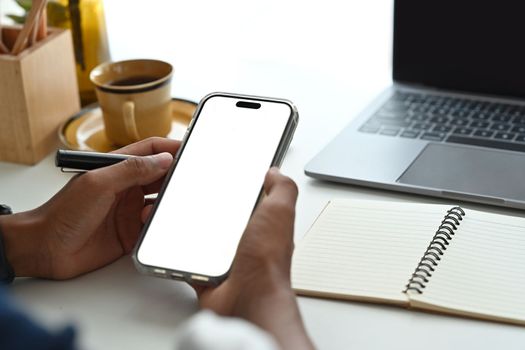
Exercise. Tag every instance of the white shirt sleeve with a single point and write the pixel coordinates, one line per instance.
(206, 331)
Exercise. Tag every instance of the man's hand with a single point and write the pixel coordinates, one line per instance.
(258, 288)
(93, 220)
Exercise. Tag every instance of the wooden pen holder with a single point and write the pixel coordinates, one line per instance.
(38, 91)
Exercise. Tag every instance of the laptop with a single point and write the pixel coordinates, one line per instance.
(452, 125)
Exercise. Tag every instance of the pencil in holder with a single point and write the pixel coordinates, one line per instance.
(38, 91)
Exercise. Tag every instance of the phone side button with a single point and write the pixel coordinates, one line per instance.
(177, 276)
(200, 278)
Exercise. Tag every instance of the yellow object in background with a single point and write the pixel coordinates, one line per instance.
(86, 20)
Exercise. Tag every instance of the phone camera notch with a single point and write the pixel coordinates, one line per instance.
(246, 104)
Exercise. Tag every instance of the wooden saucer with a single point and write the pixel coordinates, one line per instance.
(85, 130)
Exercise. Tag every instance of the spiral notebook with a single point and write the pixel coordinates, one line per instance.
(425, 256)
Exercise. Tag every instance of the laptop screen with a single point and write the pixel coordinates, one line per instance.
(467, 45)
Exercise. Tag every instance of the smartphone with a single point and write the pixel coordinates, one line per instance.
(214, 186)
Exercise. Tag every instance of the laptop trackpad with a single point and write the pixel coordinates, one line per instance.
(468, 170)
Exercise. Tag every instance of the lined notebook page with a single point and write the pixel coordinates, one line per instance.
(482, 273)
(364, 250)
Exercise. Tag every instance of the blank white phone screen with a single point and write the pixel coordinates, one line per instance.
(214, 187)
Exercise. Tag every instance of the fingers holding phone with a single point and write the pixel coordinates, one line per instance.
(193, 230)
(262, 263)
(267, 243)
(258, 287)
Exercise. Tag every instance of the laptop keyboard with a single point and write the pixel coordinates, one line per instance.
(449, 119)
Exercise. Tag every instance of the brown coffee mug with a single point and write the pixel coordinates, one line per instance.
(135, 98)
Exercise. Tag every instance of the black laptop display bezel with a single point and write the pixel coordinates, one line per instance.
(430, 35)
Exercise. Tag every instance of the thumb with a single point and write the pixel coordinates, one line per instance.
(272, 176)
(134, 171)
(276, 185)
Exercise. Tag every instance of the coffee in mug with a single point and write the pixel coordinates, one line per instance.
(135, 98)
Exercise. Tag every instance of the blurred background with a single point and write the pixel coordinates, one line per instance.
(222, 45)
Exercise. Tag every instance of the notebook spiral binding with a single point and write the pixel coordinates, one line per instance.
(435, 250)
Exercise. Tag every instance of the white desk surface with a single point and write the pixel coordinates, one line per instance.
(330, 58)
